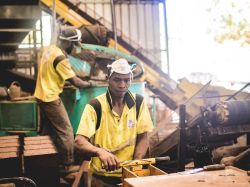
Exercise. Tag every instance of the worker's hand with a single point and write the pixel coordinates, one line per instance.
(92, 83)
(109, 161)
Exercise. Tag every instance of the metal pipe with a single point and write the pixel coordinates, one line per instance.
(239, 91)
(21, 154)
(182, 140)
(153, 29)
(121, 23)
(53, 27)
(145, 28)
(114, 22)
(41, 32)
(29, 52)
(137, 22)
(35, 52)
(154, 110)
(103, 14)
(166, 35)
(129, 26)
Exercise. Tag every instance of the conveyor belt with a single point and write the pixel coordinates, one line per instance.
(157, 81)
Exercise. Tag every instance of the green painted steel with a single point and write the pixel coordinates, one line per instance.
(80, 67)
(111, 51)
(83, 68)
(20, 116)
(75, 100)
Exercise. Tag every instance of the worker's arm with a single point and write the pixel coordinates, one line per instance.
(82, 145)
(141, 146)
(79, 83)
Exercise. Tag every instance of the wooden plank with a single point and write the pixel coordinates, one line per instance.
(31, 138)
(9, 137)
(8, 149)
(8, 155)
(3, 141)
(39, 146)
(9, 144)
(32, 142)
(230, 177)
(126, 173)
(38, 140)
(155, 171)
(40, 152)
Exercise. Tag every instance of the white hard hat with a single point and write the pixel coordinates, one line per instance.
(120, 66)
(71, 34)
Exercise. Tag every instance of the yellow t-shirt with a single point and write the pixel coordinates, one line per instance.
(51, 78)
(115, 134)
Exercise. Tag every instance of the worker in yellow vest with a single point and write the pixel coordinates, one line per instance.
(114, 133)
(54, 70)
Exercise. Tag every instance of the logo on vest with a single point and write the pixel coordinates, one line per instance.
(131, 124)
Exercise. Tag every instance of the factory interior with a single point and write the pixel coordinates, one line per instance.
(201, 130)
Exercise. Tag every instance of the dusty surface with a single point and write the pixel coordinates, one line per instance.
(230, 177)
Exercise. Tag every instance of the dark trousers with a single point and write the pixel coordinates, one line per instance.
(56, 123)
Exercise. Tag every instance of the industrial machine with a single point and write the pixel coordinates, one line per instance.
(216, 126)
(206, 122)
(218, 123)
